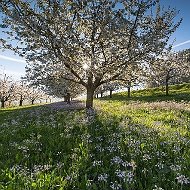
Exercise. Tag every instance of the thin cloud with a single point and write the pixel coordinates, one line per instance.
(180, 44)
(12, 59)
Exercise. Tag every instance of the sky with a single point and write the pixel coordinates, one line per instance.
(14, 65)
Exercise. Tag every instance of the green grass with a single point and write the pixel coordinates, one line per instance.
(176, 92)
(125, 144)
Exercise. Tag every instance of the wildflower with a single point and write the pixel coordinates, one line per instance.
(89, 183)
(97, 163)
(23, 148)
(40, 168)
(132, 164)
(160, 165)
(175, 168)
(144, 170)
(100, 138)
(182, 179)
(60, 165)
(121, 174)
(111, 148)
(14, 122)
(58, 153)
(46, 167)
(103, 177)
(115, 186)
(157, 188)
(99, 148)
(116, 160)
(146, 157)
(68, 178)
(129, 177)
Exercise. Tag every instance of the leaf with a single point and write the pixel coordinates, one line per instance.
(34, 184)
(142, 145)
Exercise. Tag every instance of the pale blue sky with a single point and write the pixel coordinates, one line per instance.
(15, 65)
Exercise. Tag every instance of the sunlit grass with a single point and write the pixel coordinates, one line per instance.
(176, 92)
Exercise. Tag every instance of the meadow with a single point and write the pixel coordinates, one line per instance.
(137, 143)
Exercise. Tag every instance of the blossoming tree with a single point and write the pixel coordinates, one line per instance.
(7, 89)
(170, 67)
(93, 40)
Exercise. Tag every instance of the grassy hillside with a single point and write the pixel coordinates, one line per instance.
(134, 144)
(176, 92)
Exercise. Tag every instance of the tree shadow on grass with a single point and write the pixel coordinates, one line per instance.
(121, 145)
(55, 106)
(15, 111)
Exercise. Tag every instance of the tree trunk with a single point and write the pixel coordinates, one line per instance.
(32, 102)
(101, 94)
(2, 104)
(89, 98)
(128, 91)
(96, 95)
(20, 102)
(68, 98)
(167, 87)
(110, 93)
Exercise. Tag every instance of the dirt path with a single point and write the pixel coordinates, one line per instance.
(74, 105)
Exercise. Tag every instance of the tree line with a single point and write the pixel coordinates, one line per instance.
(168, 69)
(19, 91)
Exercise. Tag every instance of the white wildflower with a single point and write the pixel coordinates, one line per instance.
(129, 177)
(68, 178)
(157, 188)
(97, 163)
(175, 168)
(115, 186)
(146, 157)
(182, 179)
(103, 177)
(160, 165)
(120, 174)
(116, 160)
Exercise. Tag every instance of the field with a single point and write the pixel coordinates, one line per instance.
(137, 143)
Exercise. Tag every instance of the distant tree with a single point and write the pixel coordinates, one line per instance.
(22, 92)
(100, 90)
(47, 98)
(134, 75)
(61, 88)
(184, 56)
(112, 86)
(169, 66)
(104, 36)
(35, 94)
(7, 88)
